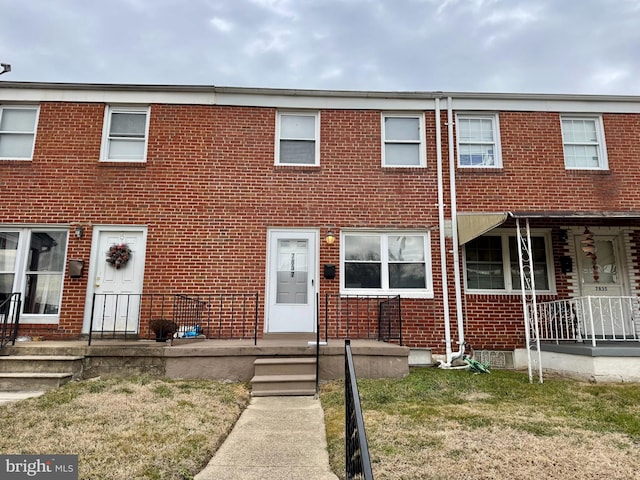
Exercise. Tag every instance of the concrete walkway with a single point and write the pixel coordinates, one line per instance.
(274, 438)
(10, 397)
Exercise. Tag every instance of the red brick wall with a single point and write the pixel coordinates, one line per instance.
(209, 190)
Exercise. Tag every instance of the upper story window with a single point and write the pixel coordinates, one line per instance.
(404, 140)
(298, 138)
(386, 263)
(478, 141)
(583, 141)
(17, 132)
(492, 264)
(125, 134)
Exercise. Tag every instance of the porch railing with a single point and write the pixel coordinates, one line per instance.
(357, 461)
(9, 318)
(590, 319)
(362, 317)
(218, 316)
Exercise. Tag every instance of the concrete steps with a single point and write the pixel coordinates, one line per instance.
(284, 376)
(38, 372)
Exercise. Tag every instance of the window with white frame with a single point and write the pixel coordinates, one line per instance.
(380, 263)
(583, 142)
(403, 140)
(298, 138)
(32, 262)
(492, 264)
(17, 131)
(478, 141)
(125, 134)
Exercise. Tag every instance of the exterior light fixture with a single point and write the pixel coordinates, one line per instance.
(330, 238)
(79, 232)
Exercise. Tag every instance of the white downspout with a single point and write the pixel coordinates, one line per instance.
(441, 228)
(454, 223)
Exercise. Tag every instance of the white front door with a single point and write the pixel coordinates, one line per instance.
(291, 280)
(117, 290)
(604, 279)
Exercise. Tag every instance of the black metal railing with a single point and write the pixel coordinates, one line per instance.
(370, 317)
(390, 321)
(357, 461)
(223, 316)
(317, 345)
(9, 318)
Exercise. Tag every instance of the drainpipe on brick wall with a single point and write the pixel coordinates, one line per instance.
(441, 228)
(454, 224)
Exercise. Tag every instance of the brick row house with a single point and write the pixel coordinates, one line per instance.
(455, 202)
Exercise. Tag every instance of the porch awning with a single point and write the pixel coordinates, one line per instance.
(472, 225)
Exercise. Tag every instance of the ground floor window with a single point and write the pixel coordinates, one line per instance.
(381, 263)
(491, 263)
(32, 262)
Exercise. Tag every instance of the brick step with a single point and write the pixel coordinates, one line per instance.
(285, 366)
(30, 382)
(278, 385)
(42, 364)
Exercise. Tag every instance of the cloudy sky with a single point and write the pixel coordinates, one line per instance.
(549, 46)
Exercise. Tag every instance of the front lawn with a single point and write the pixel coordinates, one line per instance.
(452, 424)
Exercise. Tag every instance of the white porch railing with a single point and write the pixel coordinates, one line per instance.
(590, 319)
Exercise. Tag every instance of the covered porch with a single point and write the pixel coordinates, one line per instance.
(576, 274)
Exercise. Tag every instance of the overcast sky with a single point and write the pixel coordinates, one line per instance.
(548, 46)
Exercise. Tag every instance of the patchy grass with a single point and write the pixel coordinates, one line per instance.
(443, 424)
(139, 428)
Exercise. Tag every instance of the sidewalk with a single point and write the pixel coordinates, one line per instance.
(274, 438)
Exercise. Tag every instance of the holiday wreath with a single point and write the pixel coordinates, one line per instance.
(118, 255)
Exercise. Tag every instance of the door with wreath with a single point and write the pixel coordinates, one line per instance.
(117, 273)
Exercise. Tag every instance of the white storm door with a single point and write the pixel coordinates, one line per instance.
(604, 280)
(117, 290)
(292, 281)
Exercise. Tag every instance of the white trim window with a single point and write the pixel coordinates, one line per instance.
(492, 266)
(403, 140)
(32, 261)
(18, 131)
(583, 142)
(386, 263)
(478, 137)
(298, 138)
(126, 130)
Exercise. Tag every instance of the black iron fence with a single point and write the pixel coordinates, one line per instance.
(376, 317)
(390, 321)
(235, 316)
(217, 316)
(9, 318)
(357, 461)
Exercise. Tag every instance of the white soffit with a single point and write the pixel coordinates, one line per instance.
(472, 225)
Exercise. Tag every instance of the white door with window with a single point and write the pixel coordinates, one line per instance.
(604, 279)
(117, 290)
(291, 280)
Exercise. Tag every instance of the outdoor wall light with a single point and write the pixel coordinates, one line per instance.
(79, 232)
(330, 238)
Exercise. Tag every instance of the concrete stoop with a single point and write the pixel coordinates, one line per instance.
(284, 376)
(38, 372)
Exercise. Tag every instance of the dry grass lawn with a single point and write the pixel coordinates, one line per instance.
(439, 424)
(138, 428)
